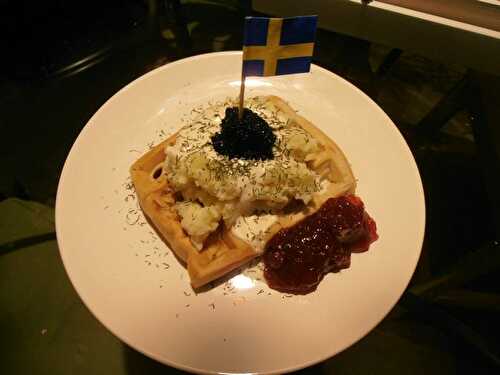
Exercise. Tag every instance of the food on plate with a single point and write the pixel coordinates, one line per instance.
(340, 227)
(223, 191)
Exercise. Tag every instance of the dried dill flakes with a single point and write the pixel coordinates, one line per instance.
(212, 305)
(188, 305)
(129, 186)
(187, 294)
(132, 217)
(130, 197)
(161, 134)
(205, 122)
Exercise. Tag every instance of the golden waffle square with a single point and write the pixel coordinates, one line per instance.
(223, 252)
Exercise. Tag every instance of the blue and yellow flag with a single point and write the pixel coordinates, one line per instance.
(274, 46)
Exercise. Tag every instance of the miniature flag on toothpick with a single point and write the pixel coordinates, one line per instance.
(275, 46)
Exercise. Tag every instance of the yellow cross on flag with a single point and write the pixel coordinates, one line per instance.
(274, 46)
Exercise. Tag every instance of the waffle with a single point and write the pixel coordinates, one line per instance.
(222, 251)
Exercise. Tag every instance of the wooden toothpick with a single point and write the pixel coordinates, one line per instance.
(242, 96)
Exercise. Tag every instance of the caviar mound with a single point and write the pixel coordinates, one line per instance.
(250, 138)
(297, 258)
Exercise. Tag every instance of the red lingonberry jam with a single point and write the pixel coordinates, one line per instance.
(297, 258)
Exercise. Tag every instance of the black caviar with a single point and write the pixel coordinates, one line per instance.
(250, 138)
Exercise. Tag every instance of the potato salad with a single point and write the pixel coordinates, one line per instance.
(218, 190)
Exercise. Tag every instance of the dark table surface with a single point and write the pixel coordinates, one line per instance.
(472, 12)
(65, 61)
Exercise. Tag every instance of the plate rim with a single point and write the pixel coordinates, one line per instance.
(420, 225)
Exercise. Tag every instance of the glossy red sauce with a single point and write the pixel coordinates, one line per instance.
(297, 258)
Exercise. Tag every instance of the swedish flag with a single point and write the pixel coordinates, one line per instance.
(274, 46)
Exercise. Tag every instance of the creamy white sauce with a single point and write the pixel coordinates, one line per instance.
(237, 187)
(246, 180)
(254, 229)
(325, 185)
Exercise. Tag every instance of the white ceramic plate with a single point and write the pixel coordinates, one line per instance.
(134, 285)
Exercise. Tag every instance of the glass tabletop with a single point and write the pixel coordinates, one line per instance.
(65, 61)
